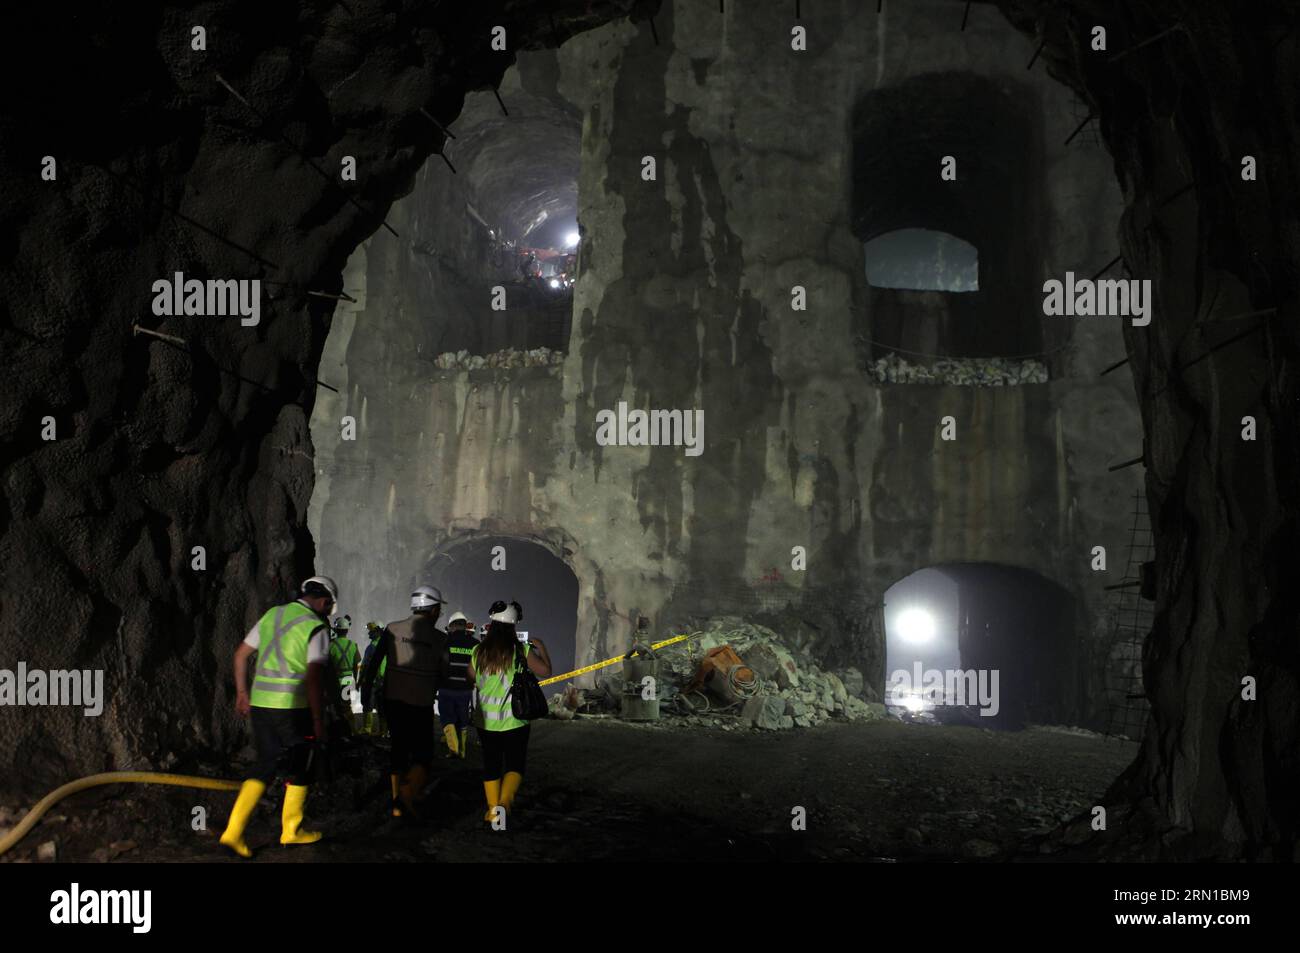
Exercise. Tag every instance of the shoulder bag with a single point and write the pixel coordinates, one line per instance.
(527, 700)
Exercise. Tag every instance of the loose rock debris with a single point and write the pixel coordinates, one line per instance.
(971, 371)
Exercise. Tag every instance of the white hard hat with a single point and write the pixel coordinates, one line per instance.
(425, 597)
(458, 617)
(508, 614)
(324, 582)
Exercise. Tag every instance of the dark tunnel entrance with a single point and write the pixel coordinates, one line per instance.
(968, 638)
(474, 574)
(505, 228)
(946, 256)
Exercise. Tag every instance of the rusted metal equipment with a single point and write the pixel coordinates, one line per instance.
(723, 673)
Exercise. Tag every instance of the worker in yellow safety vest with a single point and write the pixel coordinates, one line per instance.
(286, 706)
(502, 736)
(345, 665)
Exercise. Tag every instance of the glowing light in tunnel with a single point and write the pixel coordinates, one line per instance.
(913, 702)
(914, 625)
(570, 239)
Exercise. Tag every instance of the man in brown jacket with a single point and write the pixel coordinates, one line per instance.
(418, 660)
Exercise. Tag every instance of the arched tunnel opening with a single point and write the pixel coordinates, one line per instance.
(515, 260)
(475, 573)
(448, 358)
(483, 267)
(920, 259)
(982, 644)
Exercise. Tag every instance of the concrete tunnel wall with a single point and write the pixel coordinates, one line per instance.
(684, 302)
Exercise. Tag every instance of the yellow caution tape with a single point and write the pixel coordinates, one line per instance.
(617, 658)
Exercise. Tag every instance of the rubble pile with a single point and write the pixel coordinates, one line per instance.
(465, 361)
(792, 690)
(965, 371)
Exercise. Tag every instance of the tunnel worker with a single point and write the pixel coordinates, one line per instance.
(286, 705)
(345, 659)
(417, 661)
(503, 737)
(456, 690)
(372, 700)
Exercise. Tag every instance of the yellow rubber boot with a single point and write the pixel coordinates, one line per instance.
(249, 794)
(509, 788)
(492, 791)
(395, 780)
(411, 788)
(295, 797)
(453, 747)
(464, 741)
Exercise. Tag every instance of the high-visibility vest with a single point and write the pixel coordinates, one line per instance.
(344, 654)
(461, 645)
(494, 695)
(280, 678)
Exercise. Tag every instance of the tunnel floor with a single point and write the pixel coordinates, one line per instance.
(605, 790)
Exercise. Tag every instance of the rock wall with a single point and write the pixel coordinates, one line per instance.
(1179, 115)
(159, 449)
(684, 301)
(160, 168)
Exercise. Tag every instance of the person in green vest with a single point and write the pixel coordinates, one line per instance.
(345, 661)
(286, 706)
(503, 737)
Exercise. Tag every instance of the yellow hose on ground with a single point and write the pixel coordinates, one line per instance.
(109, 777)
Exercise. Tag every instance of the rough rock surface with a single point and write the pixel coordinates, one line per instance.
(161, 169)
(1178, 116)
(683, 301)
(159, 451)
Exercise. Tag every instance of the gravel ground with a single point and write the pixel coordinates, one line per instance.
(601, 789)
